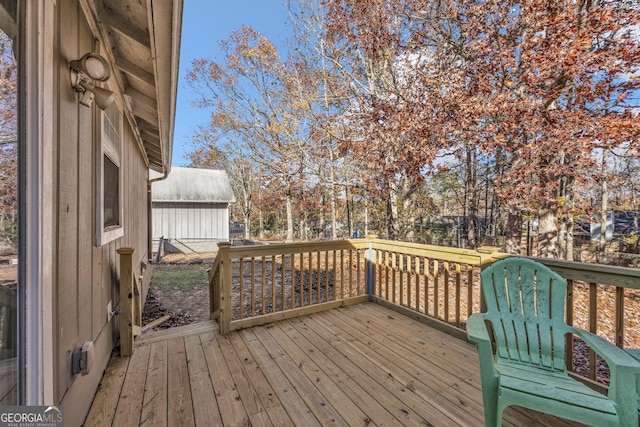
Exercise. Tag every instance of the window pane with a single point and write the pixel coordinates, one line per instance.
(8, 223)
(111, 193)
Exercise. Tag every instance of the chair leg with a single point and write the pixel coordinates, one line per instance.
(492, 411)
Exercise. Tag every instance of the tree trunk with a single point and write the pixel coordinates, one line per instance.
(349, 209)
(604, 206)
(471, 198)
(261, 222)
(366, 216)
(409, 209)
(568, 218)
(334, 196)
(321, 220)
(513, 231)
(289, 208)
(548, 229)
(392, 209)
(247, 215)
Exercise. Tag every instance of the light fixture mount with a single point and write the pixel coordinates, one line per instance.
(85, 72)
(93, 66)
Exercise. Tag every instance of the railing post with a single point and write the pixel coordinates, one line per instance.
(214, 291)
(126, 301)
(225, 278)
(370, 279)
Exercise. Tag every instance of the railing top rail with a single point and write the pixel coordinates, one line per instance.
(444, 253)
(430, 251)
(594, 273)
(625, 277)
(295, 248)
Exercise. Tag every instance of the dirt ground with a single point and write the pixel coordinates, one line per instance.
(184, 303)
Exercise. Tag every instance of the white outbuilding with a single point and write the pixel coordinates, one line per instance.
(192, 205)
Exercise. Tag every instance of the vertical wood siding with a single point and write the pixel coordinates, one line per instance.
(173, 220)
(86, 276)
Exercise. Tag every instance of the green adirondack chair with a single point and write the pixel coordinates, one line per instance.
(636, 353)
(525, 307)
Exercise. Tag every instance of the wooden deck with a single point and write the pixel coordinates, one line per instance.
(364, 365)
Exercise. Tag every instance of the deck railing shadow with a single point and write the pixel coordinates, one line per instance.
(438, 286)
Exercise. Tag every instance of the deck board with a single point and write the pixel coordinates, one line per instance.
(179, 401)
(205, 407)
(362, 365)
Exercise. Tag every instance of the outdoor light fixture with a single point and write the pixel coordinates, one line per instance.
(84, 71)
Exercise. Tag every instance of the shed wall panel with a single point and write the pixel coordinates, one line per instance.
(190, 221)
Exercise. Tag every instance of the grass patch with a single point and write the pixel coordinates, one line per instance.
(169, 278)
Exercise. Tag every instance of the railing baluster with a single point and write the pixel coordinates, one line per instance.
(593, 325)
(241, 288)
(253, 286)
(427, 261)
(436, 285)
(419, 265)
(470, 290)
(401, 277)
(318, 276)
(293, 281)
(264, 285)
(360, 266)
(409, 276)
(394, 279)
(619, 333)
(326, 269)
(386, 274)
(446, 291)
(458, 286)
(569, 320)
(283, 282)
(335, 277)
(273, 284)
(341, 273)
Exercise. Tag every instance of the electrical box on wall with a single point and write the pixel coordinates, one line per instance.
(82, 359)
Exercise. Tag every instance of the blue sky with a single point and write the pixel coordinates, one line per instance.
(204, 24)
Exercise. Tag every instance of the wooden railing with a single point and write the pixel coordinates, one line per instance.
(130, 319)
(439, 286)
(252, 285)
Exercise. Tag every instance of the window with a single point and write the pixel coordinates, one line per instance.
(10, 240)
(109, 177)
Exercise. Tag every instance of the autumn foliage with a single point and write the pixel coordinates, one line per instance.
(524, 97)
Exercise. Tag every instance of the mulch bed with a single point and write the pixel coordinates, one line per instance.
(153, 309)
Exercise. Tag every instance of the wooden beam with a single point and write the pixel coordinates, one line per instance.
(136, 72)
(152, 149)
(118, 24)
(141, 98)
(145, 113)
(155, 323)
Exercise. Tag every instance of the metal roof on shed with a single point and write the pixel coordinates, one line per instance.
(193, 185)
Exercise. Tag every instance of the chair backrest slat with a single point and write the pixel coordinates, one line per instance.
(525, 304)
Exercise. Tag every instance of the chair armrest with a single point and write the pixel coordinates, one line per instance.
(477, 332)
(611, 354)
(476, 328)
(623, 368)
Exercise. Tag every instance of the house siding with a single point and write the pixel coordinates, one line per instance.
(86, 276)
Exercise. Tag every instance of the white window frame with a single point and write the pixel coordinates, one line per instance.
(112, 150)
